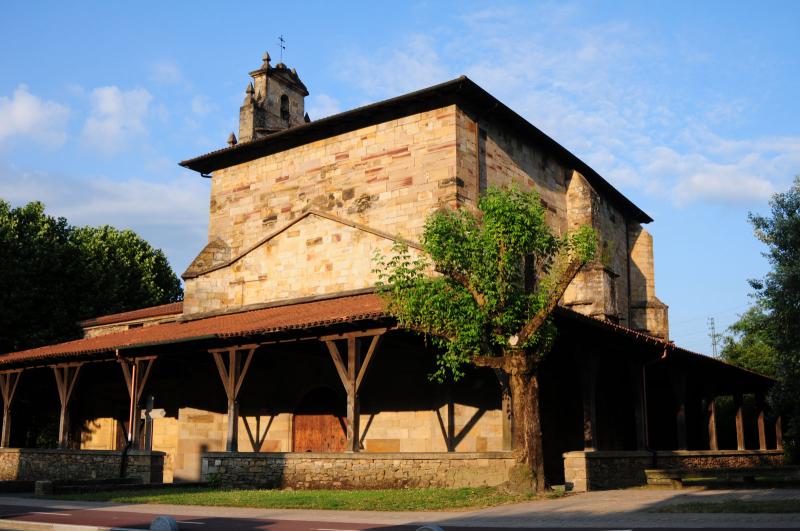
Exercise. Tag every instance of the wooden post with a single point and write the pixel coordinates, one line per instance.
(761, 407)
(352, 375)
(232, 377)
(637, 379)
(778, 434)
(711, 421)
(588, 367)
(679, 392)
(66, 376)
(136, 372)
(739, 405)
(508, 425)
(8, 387)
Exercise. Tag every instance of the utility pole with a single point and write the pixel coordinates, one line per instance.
(713, 334)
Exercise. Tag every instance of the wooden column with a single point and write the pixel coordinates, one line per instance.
(232, 374)
(711, 422)
(738, 403)
(136, 372)
(778, 434)
(637, 380)
(352, 375)
(66, 376)
(679, 392)
(8, 387)
(761, 408)
(588, 369)
(508, 421)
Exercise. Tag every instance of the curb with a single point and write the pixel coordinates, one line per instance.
(22, 525)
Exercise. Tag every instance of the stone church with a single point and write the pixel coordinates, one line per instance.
(281, 367)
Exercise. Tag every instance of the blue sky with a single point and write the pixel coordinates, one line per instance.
(689, 108)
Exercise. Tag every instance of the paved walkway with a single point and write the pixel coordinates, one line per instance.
(606, 509)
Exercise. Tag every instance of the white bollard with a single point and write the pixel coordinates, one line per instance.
(164, 523)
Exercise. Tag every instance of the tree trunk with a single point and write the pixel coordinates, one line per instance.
(523, 382)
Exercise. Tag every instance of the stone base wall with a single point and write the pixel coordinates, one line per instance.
(31, 464)
(358, 470)
(600, 470)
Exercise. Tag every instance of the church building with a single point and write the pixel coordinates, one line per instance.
(281, 366)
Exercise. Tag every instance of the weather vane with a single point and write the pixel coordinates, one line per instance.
(282, 44)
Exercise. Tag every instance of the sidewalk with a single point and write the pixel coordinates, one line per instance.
(618, 509)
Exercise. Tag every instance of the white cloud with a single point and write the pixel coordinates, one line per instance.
(322, 105)
(166, 73)
(115, 117)
(171, 214)
(598, 91)
(27, 115)
(201, 106)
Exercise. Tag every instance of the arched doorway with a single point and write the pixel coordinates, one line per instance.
(319, 422)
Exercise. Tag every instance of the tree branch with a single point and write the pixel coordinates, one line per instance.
(463, 280)
(494, 362)
(536, 322)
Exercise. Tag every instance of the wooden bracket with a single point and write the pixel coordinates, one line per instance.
(66, 375)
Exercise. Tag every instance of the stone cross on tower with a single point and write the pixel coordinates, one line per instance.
(274, 101)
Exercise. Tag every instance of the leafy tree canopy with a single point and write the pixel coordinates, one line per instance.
(53, 274)
(750, 343)
(779, 294)
(497, 268)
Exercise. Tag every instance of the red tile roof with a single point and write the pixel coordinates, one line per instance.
(142, 313)
(276, 319)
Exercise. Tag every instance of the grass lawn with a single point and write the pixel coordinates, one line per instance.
(373, 500)
(774, 506)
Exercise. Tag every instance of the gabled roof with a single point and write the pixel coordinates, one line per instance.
(460, 91)
(163, 310)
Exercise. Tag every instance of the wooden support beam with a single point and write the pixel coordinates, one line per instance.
(232, 373)
(761, 409)
(66, 375)
(711, 422)
(636, 370)
(8, 387)
(508, 424)
(738, 403)
(136, 372)
(679, 393)
(588, 369)
(778, 434)
(352, 375)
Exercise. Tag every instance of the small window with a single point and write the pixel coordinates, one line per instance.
(285, 107)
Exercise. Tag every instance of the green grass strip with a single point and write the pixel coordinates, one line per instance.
(372, 500)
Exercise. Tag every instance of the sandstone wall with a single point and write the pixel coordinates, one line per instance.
(600, 470)
(337, 471)
(387, 177)
(184, 439)
(59, 465)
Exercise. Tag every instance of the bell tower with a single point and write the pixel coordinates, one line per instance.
(274, 101)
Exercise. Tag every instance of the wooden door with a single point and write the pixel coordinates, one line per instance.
(319, 423)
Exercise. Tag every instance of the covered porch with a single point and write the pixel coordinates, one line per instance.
(329, 393)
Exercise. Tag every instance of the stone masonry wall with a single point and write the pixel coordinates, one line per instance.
(599, 470)
(58, 465)
(387, 177)
(390, 470)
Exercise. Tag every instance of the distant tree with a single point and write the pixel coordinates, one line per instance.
(53, 274)
(779, 293)
(750, 342)
(483, 292)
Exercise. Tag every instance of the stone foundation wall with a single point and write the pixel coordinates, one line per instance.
(58, 465)
(600, 470)
(389, 470)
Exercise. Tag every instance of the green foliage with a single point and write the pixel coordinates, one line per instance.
(750, 343)
(53, 274)
(495, 269)
(779, 294)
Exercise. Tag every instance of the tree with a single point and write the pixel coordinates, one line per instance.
(779, 293)
(53, 275)
(498, 274)
(749, 342)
